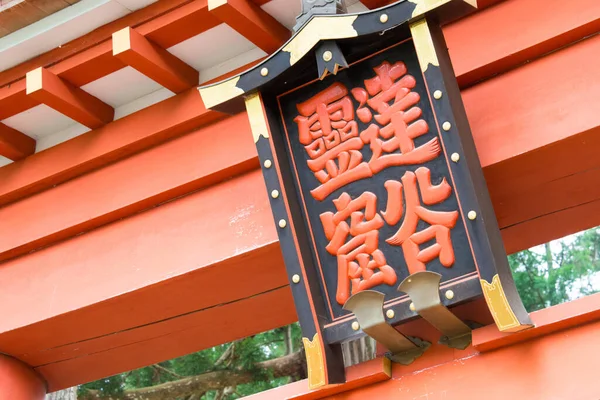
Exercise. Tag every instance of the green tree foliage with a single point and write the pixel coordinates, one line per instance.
(559, 271)
(545, 276)
(241, 355)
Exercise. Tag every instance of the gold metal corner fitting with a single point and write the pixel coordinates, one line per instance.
(423, 288)
(367, 306)
(315, 361)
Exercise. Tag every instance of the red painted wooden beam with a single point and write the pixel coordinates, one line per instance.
(358, 375)
(252, 22)
(49, 89)
(482, 46)
(173, 338)
(539, 177)
(182, 172)
(112, 142)
(14, 99)
(549, 320)
(526, 370)
(170, 239)
(153, 14)
(508, 141)
(15, 145)
(88, 58)
(153, 61)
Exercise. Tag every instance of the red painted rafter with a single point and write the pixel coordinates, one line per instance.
(153, 61)
(90, 57)
(15, 145)
(49, 89)
(153, 14)
(252, 22)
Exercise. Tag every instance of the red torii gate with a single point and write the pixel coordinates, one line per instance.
(539, 163)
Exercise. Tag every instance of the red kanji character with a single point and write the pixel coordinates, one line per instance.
(441, 221)
(384, 88)
(329, 134)
(400, 119)
(360, 263)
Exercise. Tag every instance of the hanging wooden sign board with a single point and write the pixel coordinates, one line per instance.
(371, 171)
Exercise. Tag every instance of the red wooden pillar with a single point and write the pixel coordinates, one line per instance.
(18, 381)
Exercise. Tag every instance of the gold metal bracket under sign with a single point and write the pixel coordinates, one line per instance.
(423, 288)
(367, 306)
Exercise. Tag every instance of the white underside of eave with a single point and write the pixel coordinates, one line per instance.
(62, 27)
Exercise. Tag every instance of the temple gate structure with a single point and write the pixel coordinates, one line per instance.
(179, 174)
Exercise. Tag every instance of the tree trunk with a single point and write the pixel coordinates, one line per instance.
(66, 394)
(289, 342)
(289, 365)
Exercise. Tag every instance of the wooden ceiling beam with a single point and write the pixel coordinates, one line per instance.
(15, 145)
(90, 57)
(60, 55)
(252, 22)
(14, 100)
(75, 103)
(156, 63)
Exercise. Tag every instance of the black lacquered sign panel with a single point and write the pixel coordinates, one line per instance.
(374, 182)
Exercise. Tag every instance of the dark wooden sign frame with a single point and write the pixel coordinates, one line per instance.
(407, 27)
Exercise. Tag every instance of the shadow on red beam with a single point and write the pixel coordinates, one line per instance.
(175, 337)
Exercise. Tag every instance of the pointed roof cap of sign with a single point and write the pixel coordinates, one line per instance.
(226, 96)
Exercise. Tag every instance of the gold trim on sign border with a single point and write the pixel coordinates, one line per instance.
(258, 124)
(498, 304)
(423, 44)
(314, 361)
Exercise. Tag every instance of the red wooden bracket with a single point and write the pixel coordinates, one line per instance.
(252, 22)
(15, 145)
(47, 88)
(156, 63)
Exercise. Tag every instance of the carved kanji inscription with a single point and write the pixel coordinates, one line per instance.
(375, 184)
